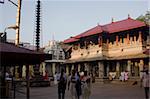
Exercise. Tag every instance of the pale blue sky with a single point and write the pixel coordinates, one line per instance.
(67, 18)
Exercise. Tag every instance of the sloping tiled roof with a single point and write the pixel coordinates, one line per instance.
(11, 55)
(113, 27)
(95, 30)
(6, 47)
(123, 25)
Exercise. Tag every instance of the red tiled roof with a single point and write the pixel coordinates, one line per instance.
(118, 26)
(95, 30)
(70, 40)
(122, 25)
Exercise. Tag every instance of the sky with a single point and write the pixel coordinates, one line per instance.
(62, 19)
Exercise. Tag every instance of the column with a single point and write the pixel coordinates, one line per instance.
(67, 69)
(86, 67)
(107, 68)
(28, 82)
(101, 69)
(24, 72)
(79, 66)
(53, 68)
(141, 64)
(129, 67)
(16, 72)
(43, 70)
(117, 69)
(72, 68)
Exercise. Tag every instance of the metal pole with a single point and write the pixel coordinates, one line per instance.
(28, 82)
(14, 83)
(18, 22)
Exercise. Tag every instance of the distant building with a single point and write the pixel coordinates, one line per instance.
(114, 47)
(58, 57)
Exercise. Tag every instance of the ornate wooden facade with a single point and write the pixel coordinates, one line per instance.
(114, 47)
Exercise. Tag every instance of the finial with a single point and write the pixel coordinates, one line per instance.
(112, 20)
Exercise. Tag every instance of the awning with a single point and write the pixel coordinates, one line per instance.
(11, 55)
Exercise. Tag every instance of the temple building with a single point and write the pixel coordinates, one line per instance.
(111, 48)
(58, 57)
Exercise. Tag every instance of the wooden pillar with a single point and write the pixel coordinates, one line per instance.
(117, 69)
(129, 67)
(141, 64)
(28, 82)
(101, 69)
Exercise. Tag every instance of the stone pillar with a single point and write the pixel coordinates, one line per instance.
(53, 68)
(79, 66)
(141, 64)
(16, 72)
(129, 67)
(67, 69)
(107, 69)
(101, 69)
(117, 70)
(72, 68)
(24, 72)
(86, 67)
(43, 70)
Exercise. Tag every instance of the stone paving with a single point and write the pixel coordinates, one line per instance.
(99, 91)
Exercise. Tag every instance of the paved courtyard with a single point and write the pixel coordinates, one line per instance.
(99, 91)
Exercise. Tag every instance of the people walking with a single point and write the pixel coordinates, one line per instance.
(55, 78)
(78, 85)
(86, 86)
(146, 83)
(126, 76)
(62, 85)
(72, 85)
